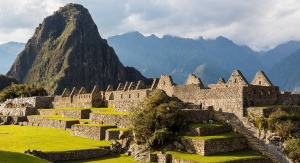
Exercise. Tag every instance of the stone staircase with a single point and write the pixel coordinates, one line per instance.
(253, 142)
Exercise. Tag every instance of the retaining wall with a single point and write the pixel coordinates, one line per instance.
(76, 114)
(22, 111)
(72, 155)
(197, 115)
(53, 123)
(202, 131)
(117, 119)
(213, 146)
(96, 132)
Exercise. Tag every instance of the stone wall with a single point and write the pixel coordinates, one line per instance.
(197, 115)
(266, 111)
(52, 123)
(33, 102)
(91, 131)
(72, 155)
(202, 131)
(22, 111)
(260, 95)
(76, 114)
(49, 112)
(164, 158)
(261, 160)
(61, 102)
(126, 100)
(6, 120)
(117, 119)
(213, 146)
(115, 133)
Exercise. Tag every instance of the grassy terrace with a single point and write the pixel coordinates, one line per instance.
(216, 136)
(224, 157)
(118, 129)
(14, 140)
(100, 125)
(113, 113)
(203, 125)
(58, 117)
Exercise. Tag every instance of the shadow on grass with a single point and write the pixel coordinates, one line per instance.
(13, 157)
(107, 158)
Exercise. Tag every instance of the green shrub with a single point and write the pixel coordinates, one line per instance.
(274, 119)
(21, 90)
(159, 121)
(293, 149)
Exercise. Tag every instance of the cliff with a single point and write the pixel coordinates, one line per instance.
(66, 50)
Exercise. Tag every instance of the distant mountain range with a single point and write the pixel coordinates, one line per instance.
(8, 54)
(207, 59)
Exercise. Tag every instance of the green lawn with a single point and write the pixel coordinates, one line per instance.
(224, 157)
(216, 136)
(106, 159)
(14, 140)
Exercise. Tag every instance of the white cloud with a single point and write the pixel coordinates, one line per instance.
(255, 23)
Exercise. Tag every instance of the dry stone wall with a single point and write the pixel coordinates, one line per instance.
(116, 119)
(52, 123)
(96, 132)
(72, 155)
(21, 112)
(197, 115)
(202, 131)
(213, 146)
(76, 114)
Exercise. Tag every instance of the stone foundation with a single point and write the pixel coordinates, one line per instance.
(213, 146)
(49, 112)
(117, 119)
(72, 155)
(91, 131)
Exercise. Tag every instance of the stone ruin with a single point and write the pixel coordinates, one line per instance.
(233, 96)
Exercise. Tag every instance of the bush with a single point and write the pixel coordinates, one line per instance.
(160, 120)
(275, 118)
(293, 149)
(21, 90)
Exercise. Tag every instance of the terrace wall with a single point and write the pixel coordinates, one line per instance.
(90, 131)
(116, 119)
(72, 155)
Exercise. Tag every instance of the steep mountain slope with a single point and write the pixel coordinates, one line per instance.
(66, 50)
(286, 73)
(208, 59)
(280, 52)
(8, 53)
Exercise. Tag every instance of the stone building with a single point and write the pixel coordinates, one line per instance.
(233, 96)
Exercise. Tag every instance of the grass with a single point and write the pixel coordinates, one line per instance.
(58, 117)
(71, 108)
(105, 159)
(224, 157)
(215, 136)
(103, 109)
(203, 125)
(14, 140)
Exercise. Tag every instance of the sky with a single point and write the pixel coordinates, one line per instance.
(259, 24)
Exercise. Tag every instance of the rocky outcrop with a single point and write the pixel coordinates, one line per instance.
(67, 51)
(6, 81)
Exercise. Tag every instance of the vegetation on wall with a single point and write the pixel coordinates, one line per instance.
(293, 149)
(21, 90)
(159, 122)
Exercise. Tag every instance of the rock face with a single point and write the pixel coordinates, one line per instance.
(67, 51)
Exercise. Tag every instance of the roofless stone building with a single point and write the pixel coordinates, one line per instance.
(233, 96)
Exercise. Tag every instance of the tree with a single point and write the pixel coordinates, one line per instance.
(22, 90)
(160, 120)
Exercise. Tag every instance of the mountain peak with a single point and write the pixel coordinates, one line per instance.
(67, 51)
